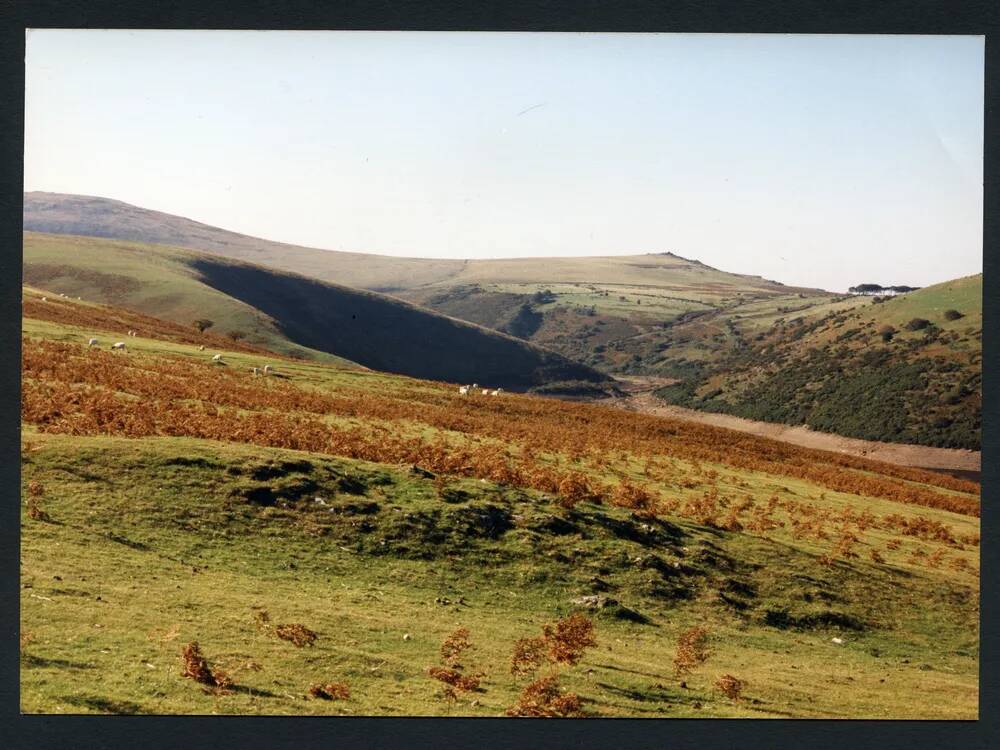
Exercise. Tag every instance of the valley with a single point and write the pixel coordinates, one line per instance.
(382, 513)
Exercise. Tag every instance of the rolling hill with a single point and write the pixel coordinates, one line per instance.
(907, 369)
(291, 314)
(737, 344)
(60, 213)
(615, 313)
(324, 537)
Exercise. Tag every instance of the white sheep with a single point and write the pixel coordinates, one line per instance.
(463, 390)
(201, 348)
(45, 299)
(256, 371)
(268, 370)
(217, 358)
(118, 345)
(92, 342)
(486, 391)
(496, 392)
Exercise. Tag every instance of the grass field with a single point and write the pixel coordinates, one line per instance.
(170, 501)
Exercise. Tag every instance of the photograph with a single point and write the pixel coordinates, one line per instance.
(501, 374)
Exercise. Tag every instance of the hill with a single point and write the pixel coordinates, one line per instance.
(88, 216)
(648, 314)
(291, 314)
(334, 526)
(906, 369)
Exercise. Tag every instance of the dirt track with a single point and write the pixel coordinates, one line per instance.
(964, 462)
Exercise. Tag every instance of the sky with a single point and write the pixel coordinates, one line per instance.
(822, 161)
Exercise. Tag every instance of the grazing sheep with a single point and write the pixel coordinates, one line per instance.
(118, 345)
(496, 392)
(256, 371)
(268, 370)
(45, 299)
(486, 391)
(201, 348)
(92, 342)
(217, 358)
(463, 390)
(475, 386)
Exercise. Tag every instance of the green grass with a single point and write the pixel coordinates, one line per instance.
(290, 314)
(153, 535)
(156, 542)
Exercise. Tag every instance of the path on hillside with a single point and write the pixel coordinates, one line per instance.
(640, 398)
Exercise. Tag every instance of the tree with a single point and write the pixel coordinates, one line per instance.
(203, 324)
(866, 289)
(236, 335)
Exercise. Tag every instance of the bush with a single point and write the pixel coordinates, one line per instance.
(567, 639)
(917, 324)
(196, 667)
(692, 650)
(297, 633)
(333, 691)
(952, 315)
(543, 698)
(730, 686)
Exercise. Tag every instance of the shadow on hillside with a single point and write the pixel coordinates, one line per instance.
(389, 334)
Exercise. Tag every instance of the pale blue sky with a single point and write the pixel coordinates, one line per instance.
(814, 160)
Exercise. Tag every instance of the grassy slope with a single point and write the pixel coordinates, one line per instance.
(629, 314)
(289, 313)
(397, 559)
(59, 213)
(830, 368)
(631, 296)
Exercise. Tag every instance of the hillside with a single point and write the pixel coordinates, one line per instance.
(648, 314)
(907, 369)
(365, 517)
(290, 314)
(60, 213)
(740, 345)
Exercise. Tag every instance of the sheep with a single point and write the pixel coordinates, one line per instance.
(45, 299)
(256, 371)
(486, 391)
(217, 358)
(131, 333)
(118, 345)
(92, 342)
(463, 390)
(268, 370)
(201, 348)
(496, 392)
